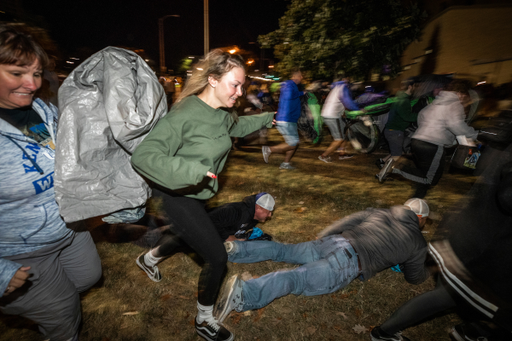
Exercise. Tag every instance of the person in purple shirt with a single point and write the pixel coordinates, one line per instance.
(288, 114)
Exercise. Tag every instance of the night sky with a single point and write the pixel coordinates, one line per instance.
(134, 23)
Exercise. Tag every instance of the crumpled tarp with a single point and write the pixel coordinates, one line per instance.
(108, 104)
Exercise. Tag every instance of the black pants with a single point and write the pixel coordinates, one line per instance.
(420, 308)
(429, 160)
(437, 301)
(192, 225)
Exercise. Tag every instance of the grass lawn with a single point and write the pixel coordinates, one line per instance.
(126, 305)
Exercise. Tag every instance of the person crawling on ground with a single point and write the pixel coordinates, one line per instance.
(359, 245)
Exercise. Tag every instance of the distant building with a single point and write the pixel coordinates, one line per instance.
(473, 42)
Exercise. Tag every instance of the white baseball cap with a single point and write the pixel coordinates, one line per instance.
(418, 206)
(265, 200)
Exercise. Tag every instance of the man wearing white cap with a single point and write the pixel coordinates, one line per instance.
(238, 217)
(234, 221)
(359, 245)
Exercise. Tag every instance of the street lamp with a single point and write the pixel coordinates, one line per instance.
(163, 69)
(206, 28)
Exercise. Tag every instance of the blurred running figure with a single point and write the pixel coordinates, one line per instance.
(288, 114)
(472, 249)
(438, 126)
(361, 244)
(400, 117)
(339, 99)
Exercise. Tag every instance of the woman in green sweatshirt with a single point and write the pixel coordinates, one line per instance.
(183, 155)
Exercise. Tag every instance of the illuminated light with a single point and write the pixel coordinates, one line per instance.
(286, 43)
(263, 79)
(250, 61)
(200, 69)
(232, 51)
(67, 61)
(480, 83)
(147, 60)
(191, 57)
(271, 66)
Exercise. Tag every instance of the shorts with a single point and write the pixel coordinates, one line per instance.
(289, 132)
(336, 128)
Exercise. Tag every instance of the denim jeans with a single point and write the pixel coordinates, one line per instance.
(329, 264)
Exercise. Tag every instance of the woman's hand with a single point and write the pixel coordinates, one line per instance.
(17, 281)
(274, 122)
(211, 175)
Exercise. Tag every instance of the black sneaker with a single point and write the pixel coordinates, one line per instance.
(380, 163)
(378, 335)
(459, 333)
(213, 331)
(152, 271)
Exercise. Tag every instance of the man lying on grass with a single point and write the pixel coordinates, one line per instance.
(233, 221)
(360, 244)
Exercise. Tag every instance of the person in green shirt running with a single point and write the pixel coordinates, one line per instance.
(400, 117)
(183, 155)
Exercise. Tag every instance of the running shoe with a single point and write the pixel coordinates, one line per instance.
(326, 159)
(212, 330)
(231, 298)
(266, 153)
(152, 271)
(286, 165)
(386, 170)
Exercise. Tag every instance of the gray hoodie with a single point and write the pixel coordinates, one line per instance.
(384, 238)
(440, 122)
(29, 215)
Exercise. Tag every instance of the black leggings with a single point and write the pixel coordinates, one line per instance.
(420, 308)
(429, 160)
(193, 226)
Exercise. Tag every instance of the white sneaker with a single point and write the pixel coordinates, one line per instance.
(230, 247)
(286, 165)
(326, 159)
(266, 153)
(231, 298)
(345, 157)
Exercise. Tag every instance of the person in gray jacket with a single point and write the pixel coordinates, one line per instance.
(44, 266)
(438, 126)
(359, 245)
